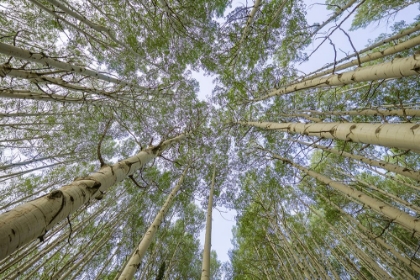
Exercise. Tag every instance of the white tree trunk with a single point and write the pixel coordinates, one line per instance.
(397, 68)
(370, 57)
(401, 135)
(378, 163)
(26, 94)
(135, 260)
(369, 112)
(409, 222)
(394, 38)
(45, 60)
(205, 267)
(33, 219)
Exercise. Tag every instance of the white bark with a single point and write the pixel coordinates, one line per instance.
(42, 78)
(45, 60)
(26, 94)
(371, 47)
(378, 163)
(33, 219)
(205, 268)
(409, 222)
(370, 57)
(410, 263)
(81, 18)
(369, 112)
(135, 260)
(398, 67)
(401, 135)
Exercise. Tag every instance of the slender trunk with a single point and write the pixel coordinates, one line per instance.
(302, 115)
(245, 31)
(205, 268)
(400, 181)
(378, 163)
(45, 60)
(390, 196)
(401, 135)
(81, 18)
(370, 57)
(368, 112)
(28, 196)
(397, 68)
(336, 14)
(371, 47)
(410, 263)
(409, 222)
(105, 265)
(42, 78)
(4, 167)
(37, 168)
(135, 260)
(346, 241)
(32, 95)
(94, 248)
(31, 220)
(39, 114)
(264, 267)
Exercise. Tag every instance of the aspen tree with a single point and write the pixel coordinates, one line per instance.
(402, 135)
(396, 215)
(245, 31)
(52, 246)
(368, 112)
(398, 67)
(386, 194)
(32, 220)
(410, 43)
(31, 95)
(378, 163)
(205, 268)
(403, 33)
(410, 263)
(134, 262)
(43, 59)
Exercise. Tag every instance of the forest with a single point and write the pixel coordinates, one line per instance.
(113, 163)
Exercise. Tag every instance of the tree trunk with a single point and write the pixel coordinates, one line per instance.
(403, 33)
(378, 163)
(401, 135)
(33, 219)
(371, 56)
(205, 268)
(135, 260)
(409, 222)
(45, 60)
(410, 263)
(397, 68)
(368, 112)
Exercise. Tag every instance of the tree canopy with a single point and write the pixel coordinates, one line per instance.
(108, 154)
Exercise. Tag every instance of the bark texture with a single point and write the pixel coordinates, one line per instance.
(401, 135)
(398, 67)
(33, 219)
